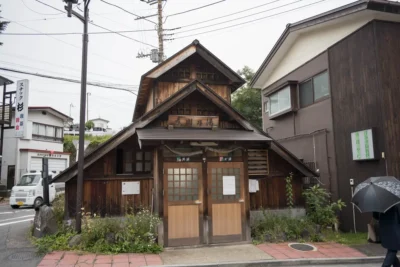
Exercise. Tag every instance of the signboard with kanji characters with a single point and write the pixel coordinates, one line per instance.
(21, 108)
(187, 121)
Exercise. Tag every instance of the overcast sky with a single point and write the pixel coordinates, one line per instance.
(112, 58)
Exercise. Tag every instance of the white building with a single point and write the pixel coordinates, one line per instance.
(100, 128)
(43, 138)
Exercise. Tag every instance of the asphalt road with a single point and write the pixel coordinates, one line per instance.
(15, 247)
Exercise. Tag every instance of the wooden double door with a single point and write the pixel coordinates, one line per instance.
(203, 207)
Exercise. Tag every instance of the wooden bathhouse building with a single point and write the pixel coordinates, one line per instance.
(189, 156)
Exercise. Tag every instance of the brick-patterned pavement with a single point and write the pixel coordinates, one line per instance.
(279, 251)
(282, 251)
(72, 259)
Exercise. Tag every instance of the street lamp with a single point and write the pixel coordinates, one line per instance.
(85, 20)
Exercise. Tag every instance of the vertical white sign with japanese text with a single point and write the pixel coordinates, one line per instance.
(21, 108)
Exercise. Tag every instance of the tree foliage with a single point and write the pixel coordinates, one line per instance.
(248, 100)
(3, 25)
(89, 125)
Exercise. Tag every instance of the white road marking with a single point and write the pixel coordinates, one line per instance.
(7, 212)
(31, 216)
(8, 223)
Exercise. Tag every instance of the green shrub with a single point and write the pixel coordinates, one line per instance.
(277, 228)
(134, 233)
(51, 243)
(319, 208)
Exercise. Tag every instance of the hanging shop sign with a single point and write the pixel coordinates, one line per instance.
(184, 121)
(21, 108)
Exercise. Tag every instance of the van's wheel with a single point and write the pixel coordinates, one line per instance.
(38, 202)
(14, 206)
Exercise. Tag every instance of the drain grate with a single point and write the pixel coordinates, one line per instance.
(23, 256)
(302, 247)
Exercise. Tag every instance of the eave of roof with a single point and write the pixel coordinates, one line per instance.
(150, 116)
(312, 21)
(199, 47)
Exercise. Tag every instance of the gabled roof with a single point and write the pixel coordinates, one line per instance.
(51, 110)
(194, 48)
(251, 131)
(361, 9)
(99, 119)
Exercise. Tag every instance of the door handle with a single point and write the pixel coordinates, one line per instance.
(241, 200)
(197, 202)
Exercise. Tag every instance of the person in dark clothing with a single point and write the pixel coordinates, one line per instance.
(389, 228)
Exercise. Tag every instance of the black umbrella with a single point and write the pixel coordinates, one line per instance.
(377, 194)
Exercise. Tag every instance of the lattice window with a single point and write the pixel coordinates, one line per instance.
(183, 72)
(181, 109)
(183, 184)
(217, 183)
(206, 111)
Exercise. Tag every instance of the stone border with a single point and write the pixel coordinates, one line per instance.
(292, 262)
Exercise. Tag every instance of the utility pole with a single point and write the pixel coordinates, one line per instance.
(87, 106)
(160, 33)
(85, 39)
(154, 56)
(70, 108)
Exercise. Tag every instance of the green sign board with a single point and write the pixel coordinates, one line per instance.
(362, 145)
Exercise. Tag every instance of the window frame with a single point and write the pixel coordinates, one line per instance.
(286, 87)
(133, 161)
(45, 137)
(313, 89)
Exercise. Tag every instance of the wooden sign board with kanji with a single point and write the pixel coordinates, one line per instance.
(185, 121)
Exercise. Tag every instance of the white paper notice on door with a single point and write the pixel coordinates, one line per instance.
(130, 188)
(228, 185)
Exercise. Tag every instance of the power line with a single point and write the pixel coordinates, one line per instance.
(247, 22)
(194, 9)
(23, 2)
(56, 65)
(94, 24)
(78, 47)
(231, 14)
(40, 69)
(71, 33)
(127, 10)
(183, 12)
(235, 19)
(67, 80)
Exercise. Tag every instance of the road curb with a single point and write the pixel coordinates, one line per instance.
(291, 262)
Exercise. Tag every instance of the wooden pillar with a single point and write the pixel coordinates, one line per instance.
(247, 195)
(156, 175)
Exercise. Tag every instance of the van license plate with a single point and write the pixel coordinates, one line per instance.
(20, 203)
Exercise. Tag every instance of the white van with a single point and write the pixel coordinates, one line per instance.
(29, 191)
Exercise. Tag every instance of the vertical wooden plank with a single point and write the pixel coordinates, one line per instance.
(244, 169)
(156, 182)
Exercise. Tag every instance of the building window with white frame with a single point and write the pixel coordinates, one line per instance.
(47, 132)
(280, 101)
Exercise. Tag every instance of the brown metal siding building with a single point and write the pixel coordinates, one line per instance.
(363, 91)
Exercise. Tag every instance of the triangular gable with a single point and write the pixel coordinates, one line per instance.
(198, 86)
(194, 48)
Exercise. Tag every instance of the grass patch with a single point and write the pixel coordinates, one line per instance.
(348, 239)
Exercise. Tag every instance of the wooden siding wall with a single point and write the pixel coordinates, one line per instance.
(104, 197)
(165, 89)
(272, 193)
(388, 44)
(197, 104)
(364, 80)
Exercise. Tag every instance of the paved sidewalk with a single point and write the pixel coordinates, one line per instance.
(323, 250)
(219, 255)
(72, 259)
